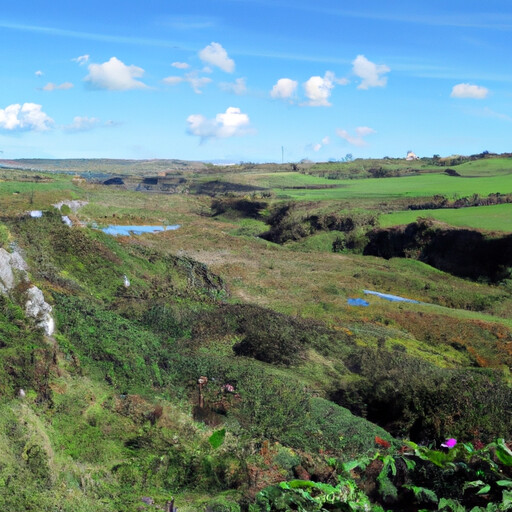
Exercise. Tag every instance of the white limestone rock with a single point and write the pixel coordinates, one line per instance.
(38, 309)
(6, 273)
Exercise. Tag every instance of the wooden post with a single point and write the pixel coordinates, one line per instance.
(202, 382)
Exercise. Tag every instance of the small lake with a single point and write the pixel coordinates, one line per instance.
(137, 230)
(392, 298)
(386, 296)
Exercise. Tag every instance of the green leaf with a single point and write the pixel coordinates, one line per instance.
(217, 438)
(503, 452)
(474, 483)
(422, 492)
(507, 499)
(504, 483)
(350, 465)
(485, 489)
(411, 464)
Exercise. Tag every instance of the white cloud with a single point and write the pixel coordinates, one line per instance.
(83, 59)
(229, 124)
(318, 89)
(114, 75)
(28, 116)
(180, 65)
(469, 91)
(284, 88)
(39, 73)
(50, 86)
(358, 138)
(195, 81)
(363, 131)
(173, 80)
(215, 55)
(239, 86)
(82, 124)
(370, 73)
(317, 147)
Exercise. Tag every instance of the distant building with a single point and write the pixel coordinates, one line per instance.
(411, 156)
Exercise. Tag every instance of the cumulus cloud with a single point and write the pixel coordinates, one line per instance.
(318, 89)
(238, 87)
(370, 73)
(39, 73)
(195, 81)
(317, 147)
(284, 89)
(180, 65)
(82, 124)
(50, 86)
(114, 75)
(28, 116)
(215, 55)
(358, 138)
(83, 59)
(469, 91)
(228, 124)
(174, 80)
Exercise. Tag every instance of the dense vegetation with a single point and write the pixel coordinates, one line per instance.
(230, 373)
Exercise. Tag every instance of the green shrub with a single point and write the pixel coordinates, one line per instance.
(221, 504)
(413, 398)
(4, 236)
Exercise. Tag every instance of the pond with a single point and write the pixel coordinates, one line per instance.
(357, 302)
(392, 298)
(386, 296)
(136, 230)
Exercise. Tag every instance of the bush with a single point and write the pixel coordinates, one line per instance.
(413, 398)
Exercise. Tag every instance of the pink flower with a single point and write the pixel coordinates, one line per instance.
(449, 443)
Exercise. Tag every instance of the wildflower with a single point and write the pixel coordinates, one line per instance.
(382, 442)
(228, 388)
(449, 443)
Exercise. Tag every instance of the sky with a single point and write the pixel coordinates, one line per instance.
(254, 80)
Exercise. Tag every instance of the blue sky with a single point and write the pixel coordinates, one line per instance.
(237, 80)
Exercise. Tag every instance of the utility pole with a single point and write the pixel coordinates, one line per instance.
(282, 154)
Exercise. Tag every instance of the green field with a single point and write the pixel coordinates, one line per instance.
(408, 186)
(492, 218)
(425, 185)
(485, 167)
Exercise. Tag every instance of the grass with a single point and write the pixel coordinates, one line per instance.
(491, 218)
(485, 167)
(121, 353)
(408, 186)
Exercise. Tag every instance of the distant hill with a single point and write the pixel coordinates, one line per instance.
(103, 165)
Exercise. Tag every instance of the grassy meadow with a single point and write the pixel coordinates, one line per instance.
(299, 381)
(489, 218)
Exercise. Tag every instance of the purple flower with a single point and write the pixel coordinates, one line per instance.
(449, 443)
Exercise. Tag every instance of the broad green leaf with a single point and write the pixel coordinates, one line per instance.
(507, 499)
(350, 465)
(503, 452)
(474, 483)
(485, 489)
(504, 483)
(217, 438)
(411, 464)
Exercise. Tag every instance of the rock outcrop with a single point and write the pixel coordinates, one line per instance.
(13, 270)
